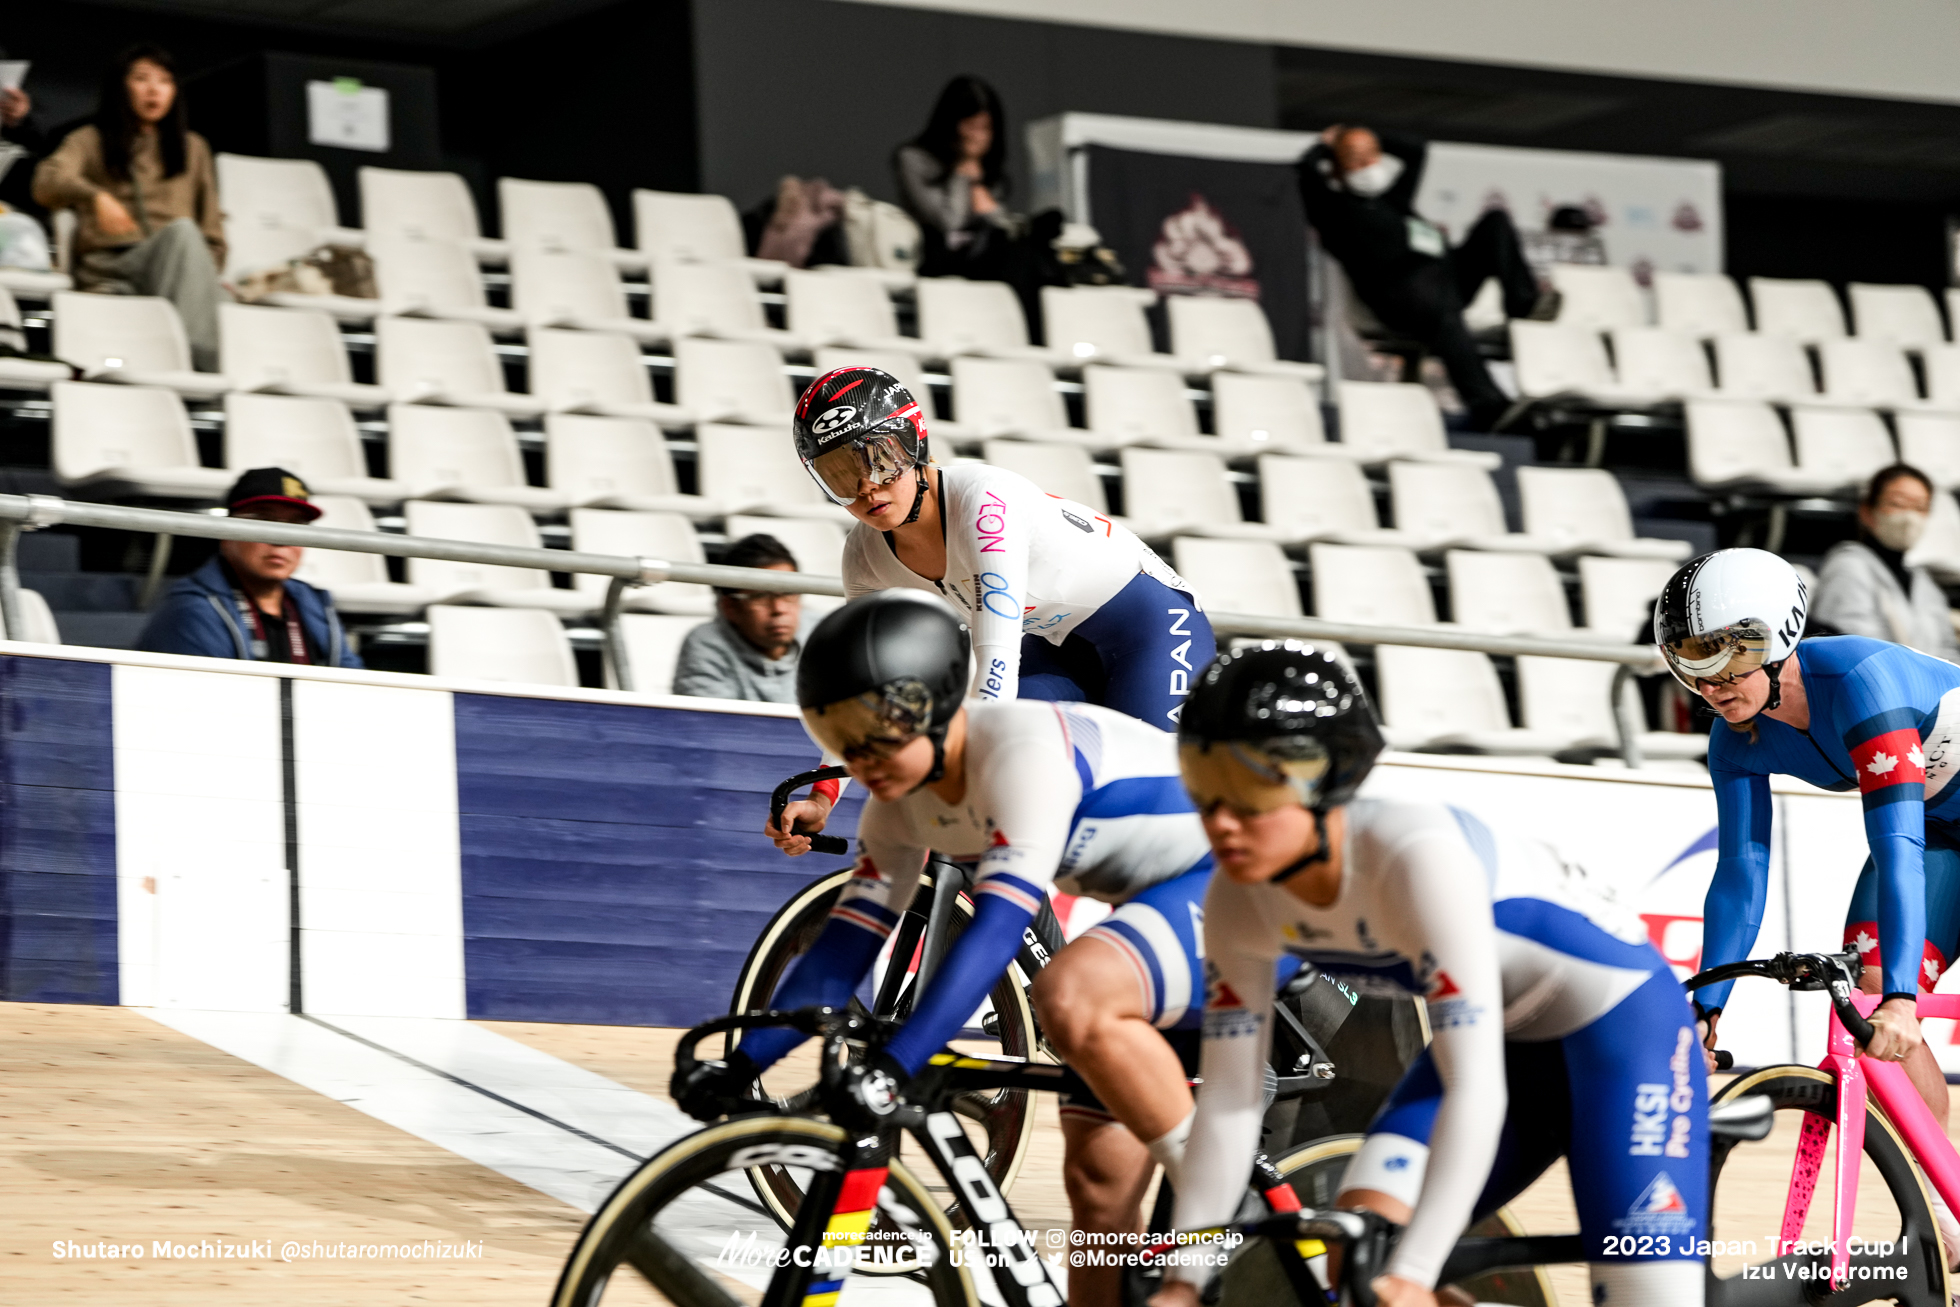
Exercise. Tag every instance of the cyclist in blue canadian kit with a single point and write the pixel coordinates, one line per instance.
(1558, 1028)
(1064, 604)
(1844, 713)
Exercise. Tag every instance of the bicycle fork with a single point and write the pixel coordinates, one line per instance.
(1006, 1245)
(832, 1219)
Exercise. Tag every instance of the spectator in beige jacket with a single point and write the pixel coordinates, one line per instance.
(145, 196)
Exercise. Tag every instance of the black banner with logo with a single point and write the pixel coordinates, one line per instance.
(1187, 226)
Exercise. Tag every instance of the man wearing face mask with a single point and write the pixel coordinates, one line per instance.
(1358, 187)
(1867, 588)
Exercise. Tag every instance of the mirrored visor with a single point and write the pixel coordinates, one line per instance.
(878, 459)
(1250, 780)
(875, 722)
(1723, 656)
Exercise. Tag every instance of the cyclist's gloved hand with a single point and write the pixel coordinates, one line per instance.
(712, 1089)
(871, 1094)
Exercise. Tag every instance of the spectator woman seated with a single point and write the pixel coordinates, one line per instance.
(145, 197)
(1867, 588)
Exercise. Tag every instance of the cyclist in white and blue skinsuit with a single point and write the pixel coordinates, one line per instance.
(1558, 1029)
(1034, 793)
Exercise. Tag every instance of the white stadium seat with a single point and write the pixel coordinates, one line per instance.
(1262, 414)
(1556, 359)
(1063, 470)
(1939, 549)
(714, 299)
(23, 374)
(430, 279)
(1585, 512)
(1238, 576)
(1844, 446)
(289, 352)
(623, 463)
(314, 438)
(1141, 406)
(666, 536)
(358, 582)
(131, 438)
(424, 206)
(817, 546)
(1803, 310)
(485, 583)
(1763, 367)
(1942, 375)
(37, 618)
(561, 216)
(597, 372)
(1617, 595)
(696, 229)
(1931, 443)
(464, 454)
(1874, 372)
(28, 284)
(1377, 585)
(1011, 397)
(1173, 492)
(276, 210)
(576, 289)
(1661, 363)
(1381, 421)
(1897, 315)
(754, 469)
(135, 340)
(1568, 699)
(732, 381)
(1218, 331)
(522, 645)
(1329, 499)
(1598, 298)
(1446, 504)
(425, 361)
(1103, 324)
(957, 316)
(1742, 445)
(1699, 303)
(845, 307)
(653, 650)
(1507, 594)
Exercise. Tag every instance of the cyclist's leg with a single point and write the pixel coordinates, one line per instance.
(1064, 675)
(1153, 641)
(1639, 1157)
(1942, 922)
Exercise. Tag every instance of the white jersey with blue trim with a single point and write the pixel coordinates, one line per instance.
(1072, 794)
(1491, 930)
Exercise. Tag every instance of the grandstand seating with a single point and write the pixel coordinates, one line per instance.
(1101, 323)
(1842, 447)
(596, 372)
(1064, 470)
(484, 583)
(508, 644)
(732, 381)
(423, 361)
(136, 340)
(613, 462)
(561, 216)
(1180, 492)
(1896, 315)
(1309, 499)
(715, 299)
(464, 454)
(314, 438)
(1803, 310)
(1268, 413)
(289, 352)
(38, 619)
(755, 470)
(1661, 363)
(653, 649)
(1229, 333)
(133, 440)
(1742, 445)
(1454, 505)
(276, 210)
(666, 536)
(576, 289)
(1774, 368)
(358, 582)
(424, 206)
(839, 307)
(1238, 576)
(23, 374)
(1699, 304)
(957, 317)
(1011, 397)
(1931, 443)
(1584, 511)
(1598, 298)
(1382, 421)
(696, 228)
(1617, 595)
(817, 546)
(1148, 406)
(426, 279)
(1870, 372)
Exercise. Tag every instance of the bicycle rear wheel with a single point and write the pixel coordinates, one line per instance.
(1749, 1188)
(1254, 1277)
(999, 1123)
(684, 1225)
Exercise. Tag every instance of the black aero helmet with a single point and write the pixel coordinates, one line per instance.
(880, 671)
(1273, 724)
(854, 423)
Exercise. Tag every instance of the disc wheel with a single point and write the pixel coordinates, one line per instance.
(683, 1226)
(1254, 1277)
(999, 1123)
(1749, 1184)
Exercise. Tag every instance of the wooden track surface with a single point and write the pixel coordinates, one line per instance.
(115, 1128)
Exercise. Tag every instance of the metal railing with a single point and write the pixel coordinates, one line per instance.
(29, 512)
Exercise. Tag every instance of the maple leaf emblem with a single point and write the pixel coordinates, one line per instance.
(1916, 758)
(1931, 968)
(1881, 764)
(1864, 942)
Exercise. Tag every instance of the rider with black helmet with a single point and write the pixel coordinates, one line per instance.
(1558, 1029)
(1034, 793)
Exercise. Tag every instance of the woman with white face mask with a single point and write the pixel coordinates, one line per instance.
(1866, 586)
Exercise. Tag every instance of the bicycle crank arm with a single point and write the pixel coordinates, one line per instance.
(1475, 1256)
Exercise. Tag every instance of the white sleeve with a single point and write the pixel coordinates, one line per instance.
(888, 865)
(1240, 948)
(1442, 885)
(1028, 787)
(997, 520)
(860, 578)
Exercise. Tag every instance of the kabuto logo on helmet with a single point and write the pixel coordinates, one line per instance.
(832, 418)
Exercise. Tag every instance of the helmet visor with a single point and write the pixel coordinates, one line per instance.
(1250, 778)
(1723, 657)
(875, 723)
(874, 458)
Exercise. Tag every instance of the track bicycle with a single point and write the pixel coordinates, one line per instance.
(683, 1225)
(1882, 1242)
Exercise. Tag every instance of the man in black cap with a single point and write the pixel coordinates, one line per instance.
(244, 603)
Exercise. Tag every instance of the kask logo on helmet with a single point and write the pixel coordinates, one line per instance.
(833, 418)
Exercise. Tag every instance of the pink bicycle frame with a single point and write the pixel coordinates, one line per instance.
(1856, 1075)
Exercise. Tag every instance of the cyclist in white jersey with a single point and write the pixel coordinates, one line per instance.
(1558, 1028)
(1035, 793)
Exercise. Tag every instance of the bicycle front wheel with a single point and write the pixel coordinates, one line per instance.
(1899, 1256)
(684, 1225)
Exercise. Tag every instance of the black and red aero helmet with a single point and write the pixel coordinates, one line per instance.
(854, 423)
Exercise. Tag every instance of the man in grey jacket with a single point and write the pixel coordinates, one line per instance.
(1867, 588)
(749, 650)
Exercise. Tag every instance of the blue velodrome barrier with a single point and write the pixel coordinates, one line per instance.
(584, 856)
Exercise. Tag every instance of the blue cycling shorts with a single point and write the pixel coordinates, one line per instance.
(1942, 911)
(1637, 1145)
(1139, 654)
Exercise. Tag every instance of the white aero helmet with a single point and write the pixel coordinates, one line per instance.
(1728, 613)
